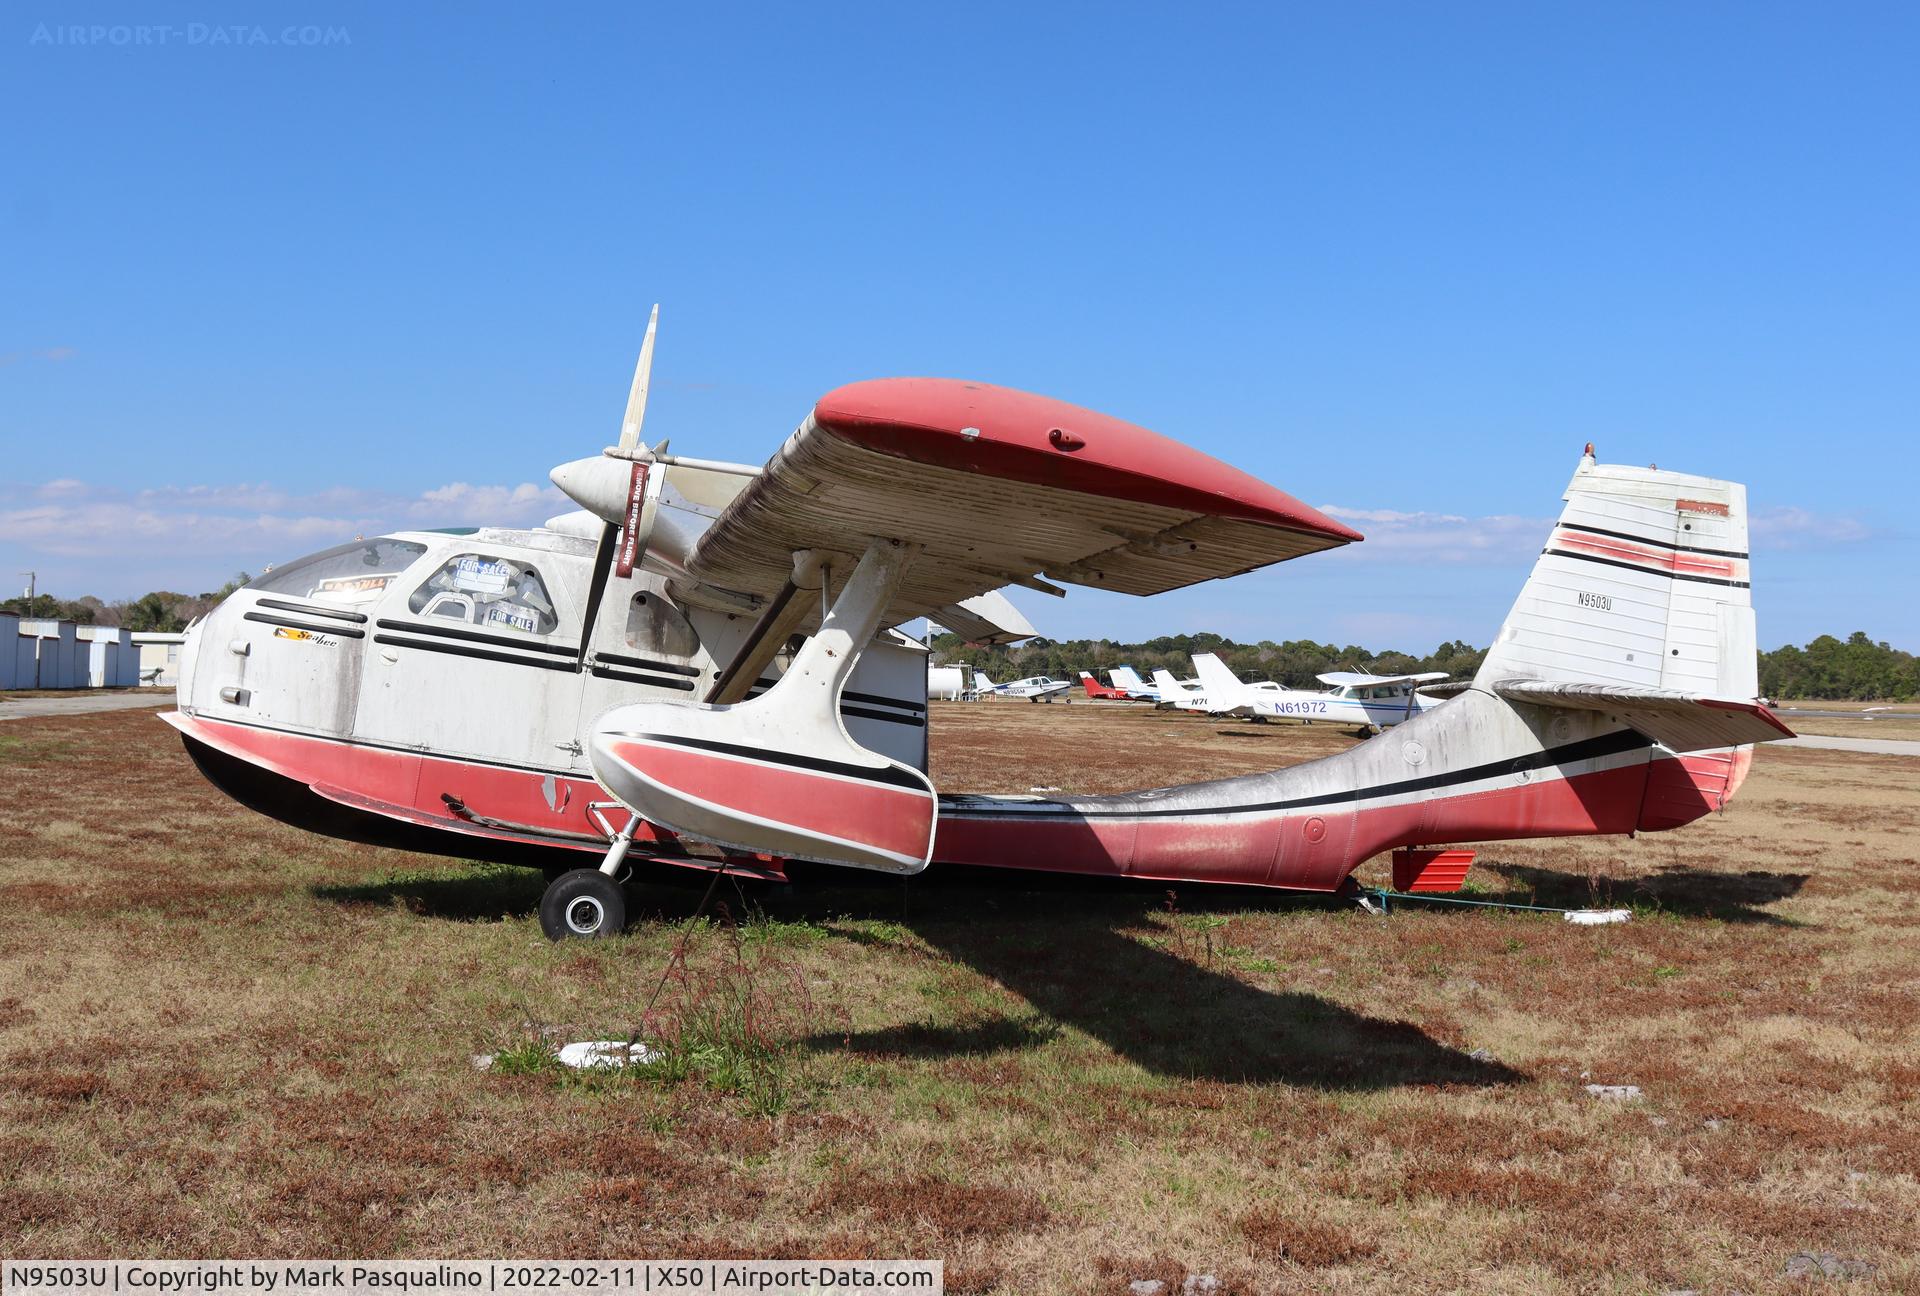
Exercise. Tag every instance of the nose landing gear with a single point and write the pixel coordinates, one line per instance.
(588, 904)
(584, 904)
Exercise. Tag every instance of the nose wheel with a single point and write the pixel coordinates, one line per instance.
(584, 904)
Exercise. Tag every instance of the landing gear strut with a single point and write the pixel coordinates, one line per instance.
(588, 904)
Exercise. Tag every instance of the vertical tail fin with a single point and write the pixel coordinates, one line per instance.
(1168, 686)
(1222, 687)
(1644, 583)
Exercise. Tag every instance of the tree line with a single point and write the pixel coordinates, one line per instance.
(1856, 669)
(1295, 662)
(161, 610)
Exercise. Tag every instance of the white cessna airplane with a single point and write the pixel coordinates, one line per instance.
(701, 669)
(1034, 688)
(1128, 681)
(1369, 701)
(1179, 695)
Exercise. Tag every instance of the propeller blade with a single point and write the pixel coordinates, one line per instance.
(597, 587)
(637, 395)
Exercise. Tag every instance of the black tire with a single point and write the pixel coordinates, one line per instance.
(584, 904)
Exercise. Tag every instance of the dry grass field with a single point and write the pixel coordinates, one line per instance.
(1897, 720)
(221, 1037)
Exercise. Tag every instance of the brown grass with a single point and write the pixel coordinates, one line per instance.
(219, 1036)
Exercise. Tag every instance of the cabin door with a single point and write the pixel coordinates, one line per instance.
(479, 659)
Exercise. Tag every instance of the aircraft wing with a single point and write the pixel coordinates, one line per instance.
(986, 618)
(997, 487)
(1341, 679)
(1683, 721)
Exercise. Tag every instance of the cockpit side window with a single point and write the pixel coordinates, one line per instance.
(348, 574)
(655, 626)
(489, 591)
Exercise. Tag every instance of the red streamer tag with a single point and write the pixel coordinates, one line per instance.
(629, 537)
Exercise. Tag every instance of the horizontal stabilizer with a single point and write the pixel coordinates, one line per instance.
(1359, 679)
(1682, 721)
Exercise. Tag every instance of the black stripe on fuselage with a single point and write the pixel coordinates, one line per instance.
(462, 650)
(1612, 744)
(646, 663)
(912, 708)
(358, 618)
(475, 636)
(888, 717)
(345, 632)
(890, 776)
(636, 677)
(1639, 539)
(905, 704)
(1650, 571)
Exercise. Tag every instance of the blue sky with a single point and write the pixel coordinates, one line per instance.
(262, 287)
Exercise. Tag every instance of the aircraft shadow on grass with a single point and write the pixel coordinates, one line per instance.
(1075, 949)
(1078, 950)
(474, 893)
(1676, 889)
(1167, 1012)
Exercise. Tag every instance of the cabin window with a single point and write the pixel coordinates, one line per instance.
(348, 574)
(656, 626)
(490, 591)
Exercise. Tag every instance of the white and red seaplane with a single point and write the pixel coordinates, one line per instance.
(701, 668)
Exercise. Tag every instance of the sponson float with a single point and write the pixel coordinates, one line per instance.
(700, 667)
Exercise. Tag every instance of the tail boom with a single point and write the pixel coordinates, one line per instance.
(1618, 697)
(1436, 780)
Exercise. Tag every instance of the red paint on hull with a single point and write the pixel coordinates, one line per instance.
(897, 820)
(1314, 849)
(1305, 849)
(412, 783)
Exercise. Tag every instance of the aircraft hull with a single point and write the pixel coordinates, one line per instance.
(1304, 828)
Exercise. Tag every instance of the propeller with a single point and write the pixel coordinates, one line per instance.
(629, 440)
(637, 394)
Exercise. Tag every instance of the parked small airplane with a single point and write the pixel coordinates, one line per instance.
(1370, 701)
(700, 668)
(1034, 688)
(1113, 692)
(1128, 680)
(1180, 695)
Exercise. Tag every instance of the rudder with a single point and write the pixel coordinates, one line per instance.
(1644, 583)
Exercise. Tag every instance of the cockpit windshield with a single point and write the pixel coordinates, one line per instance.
(488, 590)
(348, 574)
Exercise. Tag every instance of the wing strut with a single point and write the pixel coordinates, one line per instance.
(779, 620)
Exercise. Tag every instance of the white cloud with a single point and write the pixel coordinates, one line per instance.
(1393, 536)
(1786, 526)
(55, 354)
(247, 524)
(1450, 538)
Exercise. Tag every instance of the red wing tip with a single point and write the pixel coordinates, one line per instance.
(958, 411)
